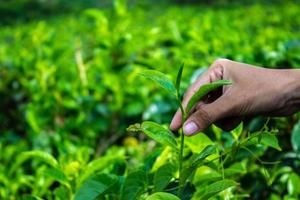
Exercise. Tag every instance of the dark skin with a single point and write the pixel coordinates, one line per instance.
(255, 91)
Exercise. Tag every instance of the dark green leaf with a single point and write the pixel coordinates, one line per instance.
(204, 90)
(95, 186)
(162, 196)
(178, 79)
(163, 176)
(161, 79)
(215, 188)
(159, 134)
(134, 185)
(296, 137)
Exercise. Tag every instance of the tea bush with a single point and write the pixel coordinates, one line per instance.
(70, 87)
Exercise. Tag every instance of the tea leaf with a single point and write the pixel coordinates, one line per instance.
(95, 186)
(159, 134)
(270, 140)
(296, 137)
(215, 188)
(58, 176)
(163, 176)
(178, 79)
(98, 165)
(198, 160)
(134, 185)
(293, 184)
(204, 90)
(161, 79)
(162, 196)
(38, 155)
(194, 145)
(237, 131)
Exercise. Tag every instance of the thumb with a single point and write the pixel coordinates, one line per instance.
(207, 114)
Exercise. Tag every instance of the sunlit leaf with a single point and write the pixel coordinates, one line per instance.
(98, 165)
(95, 186)
(198, 142)
(237, 131)
(159, 134)
(162, 196)
(36, 155)
(197, 161)
(134, 185)
(270, 140)
(215, 188)
(293, 185)
(57, 175)
(204, 90)
(161, 79)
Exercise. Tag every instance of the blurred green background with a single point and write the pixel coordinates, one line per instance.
(69, 81)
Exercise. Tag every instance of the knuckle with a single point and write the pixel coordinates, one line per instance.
(203, 118)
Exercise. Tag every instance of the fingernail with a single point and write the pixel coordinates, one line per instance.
(190, 128)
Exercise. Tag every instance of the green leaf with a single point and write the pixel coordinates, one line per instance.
(293, 184)
(162, 196)
(134, 185)
(215, 188)
(159, 134)
(296, 137)
(204, 90)
(237, 131)
(161, 79)
(178, 79)
(97, 165)
(197, 161)
(38, 155)
(57, 175)
(163, 176)
(62, 193)
(198, 142)
(207, 151)
(95, 186)
(270, 140)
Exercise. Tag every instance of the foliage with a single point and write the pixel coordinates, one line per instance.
(70, 85)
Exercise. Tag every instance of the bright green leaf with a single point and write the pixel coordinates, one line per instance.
(161, 79)
(204, 90)
(215, 188)
(57, 175)
(97, 165)
(38, 155)
(270, 140)
(296, 137)
(95, 186)
(162, 196)
(293, 184)
(159, 134)
(198, 142)
(237, 131)
(163, 176)
(134, 185)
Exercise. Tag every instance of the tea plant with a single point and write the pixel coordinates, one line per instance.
(214, 155)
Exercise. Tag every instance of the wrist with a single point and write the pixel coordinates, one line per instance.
(294, 87)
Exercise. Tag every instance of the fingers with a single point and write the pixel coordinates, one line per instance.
(177, 119)
(214, 73)
(208, 114)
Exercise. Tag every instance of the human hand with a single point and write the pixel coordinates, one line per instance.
(255, 91)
